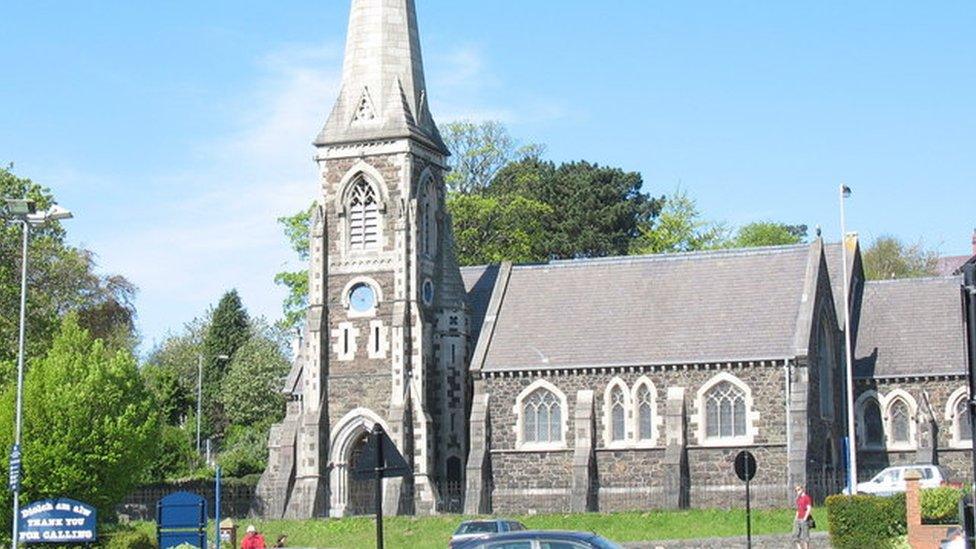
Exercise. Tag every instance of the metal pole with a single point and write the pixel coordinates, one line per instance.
(969, 314)
(20, 372)
(851, 441)
(199, 396)
(217, 509)
(378, 486)
(748, 510)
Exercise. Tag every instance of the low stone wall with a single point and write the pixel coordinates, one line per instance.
(235, 497)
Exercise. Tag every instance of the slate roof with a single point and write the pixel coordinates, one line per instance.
(952, 265)
(661, 309)
(911, 327)
(478, 283)
(833, 254)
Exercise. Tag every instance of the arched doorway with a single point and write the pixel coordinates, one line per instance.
(360, 491)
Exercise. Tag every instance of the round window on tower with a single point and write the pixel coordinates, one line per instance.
(362, 298)
(428, 292)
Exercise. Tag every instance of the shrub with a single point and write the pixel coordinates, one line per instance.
(868, 522)
(940, 505)
(130, 539)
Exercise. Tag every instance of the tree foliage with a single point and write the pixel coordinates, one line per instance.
(61, 279)
(90, 428)
(229, 330)
(491, 229)
(679, 228)
(296, 228)
(768, 233)
(595, 210)
(478, 152)
(251, 390)
(888, 257)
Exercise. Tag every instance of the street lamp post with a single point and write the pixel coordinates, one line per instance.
(200, 392)
(845, 192)
(23, 211)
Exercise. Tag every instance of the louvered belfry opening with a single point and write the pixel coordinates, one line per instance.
(364, 222)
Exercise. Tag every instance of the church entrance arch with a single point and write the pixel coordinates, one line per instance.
(349, 495)
(361, 497)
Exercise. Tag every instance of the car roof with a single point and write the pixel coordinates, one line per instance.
(533, 534)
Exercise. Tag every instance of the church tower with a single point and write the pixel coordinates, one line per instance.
(385, 339)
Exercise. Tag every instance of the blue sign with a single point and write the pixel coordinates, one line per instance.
(60, 520)
(15, 469)
(182, 519)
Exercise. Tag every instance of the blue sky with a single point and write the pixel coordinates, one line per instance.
(178, 132)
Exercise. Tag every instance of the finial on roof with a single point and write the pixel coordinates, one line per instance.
(818, 231)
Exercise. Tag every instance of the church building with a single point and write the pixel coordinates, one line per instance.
(582, 385)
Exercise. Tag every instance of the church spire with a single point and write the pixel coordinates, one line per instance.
(383, 93)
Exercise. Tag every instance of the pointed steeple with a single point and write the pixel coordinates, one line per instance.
(383, 93)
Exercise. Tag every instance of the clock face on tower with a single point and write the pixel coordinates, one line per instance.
(362, 298)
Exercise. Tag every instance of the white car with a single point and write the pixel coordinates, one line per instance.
(892, 479)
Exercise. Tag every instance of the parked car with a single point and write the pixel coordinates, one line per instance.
(471, 529)
(540, 539)
(892, 479)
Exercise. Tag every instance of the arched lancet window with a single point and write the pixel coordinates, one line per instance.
(618, 415)
(541, 417)
(364, 217)
(899, 415)
(645, 413)
(961, 420)
(825, 360)
(428, 219)
(725, 411)
(873, 427)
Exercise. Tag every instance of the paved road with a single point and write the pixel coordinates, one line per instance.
(818, 540)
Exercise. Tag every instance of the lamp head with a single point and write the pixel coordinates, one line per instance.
(20, 207)
(846, 191)
(58, 213)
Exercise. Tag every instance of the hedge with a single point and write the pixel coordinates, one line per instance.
(940, 505)
(868, 522)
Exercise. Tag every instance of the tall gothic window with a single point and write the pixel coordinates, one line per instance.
(899, 416)
(364, 222)
(618, 429)
(873, 428)
(725, 411)
(825, 359)
(645, 413)
(961, 413)
(541, 417)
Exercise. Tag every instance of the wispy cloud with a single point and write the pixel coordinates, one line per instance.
(215, 225)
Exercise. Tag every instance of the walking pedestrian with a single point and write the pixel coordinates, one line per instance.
(252, 539)
(801, 523)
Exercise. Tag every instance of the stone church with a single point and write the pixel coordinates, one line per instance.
(597, 384)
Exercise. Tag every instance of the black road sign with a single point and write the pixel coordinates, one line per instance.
(393, 463)
(745, 465)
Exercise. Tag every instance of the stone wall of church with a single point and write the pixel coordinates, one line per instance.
(954, 459)
(632, 475)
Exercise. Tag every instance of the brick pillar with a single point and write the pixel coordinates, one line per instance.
(913, 505)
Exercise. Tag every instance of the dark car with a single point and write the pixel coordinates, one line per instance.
(540, 539)
(474, 529)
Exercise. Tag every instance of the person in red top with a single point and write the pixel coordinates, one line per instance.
(252, 539)
(801, 524)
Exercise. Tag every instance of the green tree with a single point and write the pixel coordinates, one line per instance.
(768, 233)
(490, 229)
(228, 331)
(90, 428)
(251, 392)
(61, 279)
(596, 210)
(176, 356)
(888, 257)
(478, 152)
(679, 228)
(296, 229)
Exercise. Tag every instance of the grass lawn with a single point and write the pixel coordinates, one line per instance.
(434, 532)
